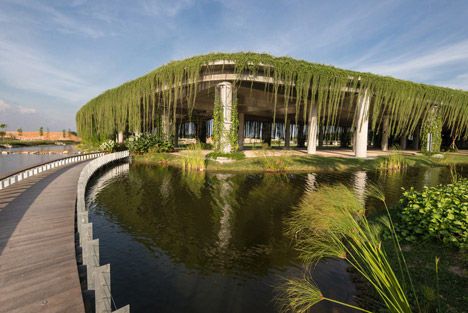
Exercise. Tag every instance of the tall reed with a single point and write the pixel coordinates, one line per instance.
(194, 159)
(331, 223)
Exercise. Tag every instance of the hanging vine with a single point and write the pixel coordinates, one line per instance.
(136, 105)
(217, 122)
(431, 127)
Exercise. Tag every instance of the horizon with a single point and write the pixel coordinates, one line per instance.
(55, 57)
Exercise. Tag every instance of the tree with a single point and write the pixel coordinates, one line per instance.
(2, 130)
(20, 132)
(41, 131)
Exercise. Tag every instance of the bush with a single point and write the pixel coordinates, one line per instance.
(146, 142)
(438, 212)
(108, 146)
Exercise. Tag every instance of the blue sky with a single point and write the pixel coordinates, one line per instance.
(56, 55)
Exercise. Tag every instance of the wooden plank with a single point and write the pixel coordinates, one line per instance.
(38, 271)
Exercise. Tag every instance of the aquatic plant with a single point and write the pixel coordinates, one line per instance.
(193, 159)
(151, 101)
(395, 162)
(330, 223)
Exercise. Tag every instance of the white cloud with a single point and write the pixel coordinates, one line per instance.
(25, 110)
(4, 106)
(169, 8)
(12, 108)
(25, 68)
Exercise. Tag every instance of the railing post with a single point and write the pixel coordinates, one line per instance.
(103, 289)
(91, 260)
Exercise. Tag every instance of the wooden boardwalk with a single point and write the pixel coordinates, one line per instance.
(38, 270)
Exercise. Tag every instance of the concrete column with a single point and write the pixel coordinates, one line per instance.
(225, 96)
(120, 137)
(266, 133)
(403, 142)
(385, 123)
(287, 133)
(312, 130)
(240, 133)
(362, 125)
(300, 134)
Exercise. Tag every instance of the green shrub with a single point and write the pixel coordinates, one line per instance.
(438, 212)
(238, 155)
(143, 143)
(108, 146)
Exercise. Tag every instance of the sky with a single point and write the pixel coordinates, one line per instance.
(57, 55)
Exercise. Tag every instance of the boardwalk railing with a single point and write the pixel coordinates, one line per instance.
(35, 170)
(97, 277)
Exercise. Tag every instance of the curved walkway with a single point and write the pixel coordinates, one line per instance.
(38, 269)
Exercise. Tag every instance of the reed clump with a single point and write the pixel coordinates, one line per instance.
(194, 158)
(395, 162)
(331, 223)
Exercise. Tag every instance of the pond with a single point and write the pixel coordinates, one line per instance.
(215, 242)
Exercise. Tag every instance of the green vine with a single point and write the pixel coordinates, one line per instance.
(217, 122)
(234, 133)
(432, 124)
(136, 105)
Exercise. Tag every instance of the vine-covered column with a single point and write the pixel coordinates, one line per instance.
(385, 131)
(225, 119)
(431, 132)
(361, 125)
(312, 130)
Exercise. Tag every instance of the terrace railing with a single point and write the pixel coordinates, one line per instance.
(97, 276)
(18, 176)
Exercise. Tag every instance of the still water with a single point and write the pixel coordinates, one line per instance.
(16, 161)
(209, 242)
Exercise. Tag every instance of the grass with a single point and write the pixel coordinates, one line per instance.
(193, 159)
(395, 162)
(331, 223)
(306, 163)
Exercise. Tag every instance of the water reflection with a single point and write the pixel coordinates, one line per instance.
(201, 242)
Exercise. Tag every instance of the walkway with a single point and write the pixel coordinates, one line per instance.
(38, 270)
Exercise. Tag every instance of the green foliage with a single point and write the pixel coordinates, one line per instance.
(143, 143)
(218, 121)
(238, 155)
(194, 159)
(108, 146)
(330, 223)
(234, 132)
(139, 104)
(437, 212)
(432, 124)
(395, 162)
